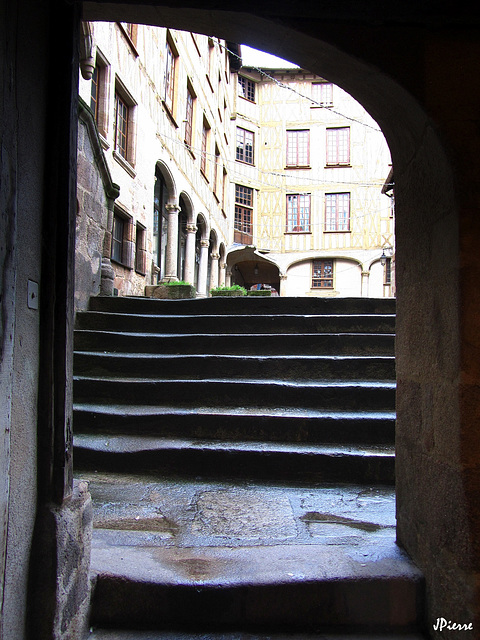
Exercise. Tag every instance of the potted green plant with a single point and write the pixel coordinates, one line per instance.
(259, 292)
(173, 290)
(234, 290)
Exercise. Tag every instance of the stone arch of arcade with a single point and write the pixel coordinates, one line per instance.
(186, 239)
(202, 244)
(165, 218)
(181, 238)
(363, 269)
(247, 267)
(213, 261)
(436, 463)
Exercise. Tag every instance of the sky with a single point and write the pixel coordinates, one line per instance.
(253, 58)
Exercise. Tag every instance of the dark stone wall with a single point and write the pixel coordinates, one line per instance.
(61, 548)
(95, 196)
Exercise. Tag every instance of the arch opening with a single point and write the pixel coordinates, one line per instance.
(427, 238)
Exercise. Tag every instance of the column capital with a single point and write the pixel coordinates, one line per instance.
(191, 228)
(205, 243)
(215, 256)
(172, 208)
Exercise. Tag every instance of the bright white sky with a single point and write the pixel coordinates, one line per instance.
(253, 58)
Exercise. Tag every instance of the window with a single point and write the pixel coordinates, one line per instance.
(121, 126)
(98, 94)
(244, 151)
(170, 67)
(130, 30)
(298, 213)
(338, 146)
(211, 62)
(322, 94)
(387, 273)
(140, 251)
(122, 244)
(337, 212)
(189, 117)
(124, 128)
(216, 171)
(160, 222)
(298, 148)
(224, 187)
(246, 88)
(205, 136)
(392, 206)
(95, 91)
(243, 214)
(322, 274)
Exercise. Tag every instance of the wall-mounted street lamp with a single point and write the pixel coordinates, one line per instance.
(383, 258)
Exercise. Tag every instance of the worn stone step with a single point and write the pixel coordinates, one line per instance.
(253, 556)
(254, 344)
(245, 323)
(301, 587)
(200, 366)
(249, 305)
(115, 634)
(334, 394)
(214, 458)
(246, 423)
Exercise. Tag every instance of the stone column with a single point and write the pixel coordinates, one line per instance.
(191, 230)
(202, 269)
(215, 257)
(171, 255)
(283, 279)
(222, 274)
(228, 277)
(365, 283)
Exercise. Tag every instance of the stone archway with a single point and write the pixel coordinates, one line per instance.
(164, 197)
(201, 255)
(435, 464)
(250, 268)
(213, 258)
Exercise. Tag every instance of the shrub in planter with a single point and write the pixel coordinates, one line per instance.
(233, 291)
(259, 292)
(171, 290)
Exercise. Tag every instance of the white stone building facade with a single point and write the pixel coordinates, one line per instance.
(162, 103)
(231, 174)
(309, 195)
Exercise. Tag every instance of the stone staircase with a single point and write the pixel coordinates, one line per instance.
(240, 454)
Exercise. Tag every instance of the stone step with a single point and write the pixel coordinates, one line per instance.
(112, 634)
(238, 343)
(265, 558)
(305, 588)
(246, 323)
(245, 424)
(254, 460)
(249, 305)
(326, 395)
(200, 366)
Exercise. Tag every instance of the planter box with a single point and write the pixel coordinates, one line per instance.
(261, 293)
(170, 292)
(230, 294)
